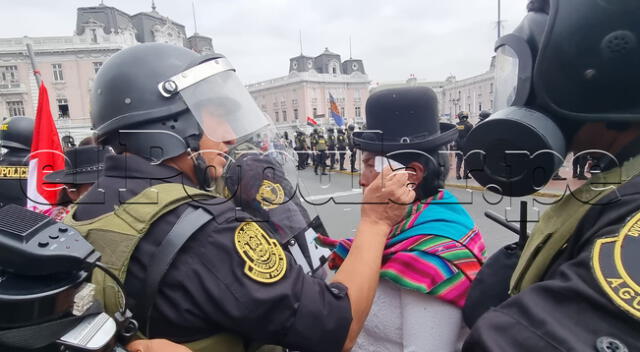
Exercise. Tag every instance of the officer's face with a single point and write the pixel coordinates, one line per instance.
(214, 148)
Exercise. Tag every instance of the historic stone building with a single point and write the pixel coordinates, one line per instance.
(69, 64)
(472, 94)
(304, 92)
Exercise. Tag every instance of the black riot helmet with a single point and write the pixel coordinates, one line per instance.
(158, 100)
(567, 63)
(484, 114)
(16, 133)
(463, 116)
(351, 127)
(330, 130)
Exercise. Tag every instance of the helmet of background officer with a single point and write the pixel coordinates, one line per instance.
(547, 90)
(463, 116)
(178, 104)
(351, 127)
(16, 133)
(340, 130)
(330, 130)
(484, 114)
(404, 126)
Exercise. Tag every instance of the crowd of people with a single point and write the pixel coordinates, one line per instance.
(415, 277)
(326, 152)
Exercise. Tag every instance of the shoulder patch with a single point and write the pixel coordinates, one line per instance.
(264, 258)
(616, 265)
(270, 195)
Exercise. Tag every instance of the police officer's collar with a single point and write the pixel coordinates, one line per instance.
(128, 165)
(606, 163)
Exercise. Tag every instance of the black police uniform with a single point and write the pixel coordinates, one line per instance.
(352, 150)
(206, 291)
(331, 140)
(13, 177)
(302, 151)
(464, 127)
(342, 148)
(568, 310)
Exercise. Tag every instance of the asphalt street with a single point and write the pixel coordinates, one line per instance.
(336, 199)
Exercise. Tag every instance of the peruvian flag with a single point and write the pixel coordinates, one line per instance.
(311, 121)
(46, 156)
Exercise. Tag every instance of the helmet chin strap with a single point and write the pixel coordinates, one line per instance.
(200, 167)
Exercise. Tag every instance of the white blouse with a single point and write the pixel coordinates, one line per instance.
(407, 320)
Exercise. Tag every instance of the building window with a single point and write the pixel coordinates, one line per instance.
(277, 117)
(358, 112)
(63, 108)
(284, 115)
(315, 112)
(491, 88)
(96, 66)
(57, 72)
(342, 111)
(480, 107)
(283, 104)
(333, 70)
(9, 74)
(94, 36)
(295, 114)
(294, 102)
(16, 108)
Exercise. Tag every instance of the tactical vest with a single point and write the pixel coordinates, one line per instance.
(116, 235)
(321, 144)
(342, 141)
(332, 142)
(558, 224)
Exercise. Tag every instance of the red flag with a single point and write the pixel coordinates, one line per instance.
(311, 121)
(46, 156)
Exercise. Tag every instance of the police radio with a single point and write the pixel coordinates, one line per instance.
(46, 300)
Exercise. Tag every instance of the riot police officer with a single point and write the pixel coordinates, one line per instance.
(15, 136)
(332, 147)
(484, 114)
(342, 147)
(301, 150)
(321, 152)
(197, 270)
(464, 128)
(352, 147)
(313, 142)
(567, 81)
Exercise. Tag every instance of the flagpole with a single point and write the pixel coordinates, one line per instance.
(36, 73)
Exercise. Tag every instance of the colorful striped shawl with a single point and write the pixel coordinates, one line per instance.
(438, 252)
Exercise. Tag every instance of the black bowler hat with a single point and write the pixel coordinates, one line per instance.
(82, 165)
(407, 119)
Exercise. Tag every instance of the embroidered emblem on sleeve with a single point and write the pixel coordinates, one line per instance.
(270, 195)
(616, 265)
(264, 258)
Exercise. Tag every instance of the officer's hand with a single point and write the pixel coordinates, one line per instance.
(386, 198)
(156, 345)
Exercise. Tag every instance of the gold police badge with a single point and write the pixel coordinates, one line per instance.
(264, 258)
(270, 195)
(615, 265)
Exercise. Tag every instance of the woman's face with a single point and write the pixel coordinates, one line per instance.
(369, 172)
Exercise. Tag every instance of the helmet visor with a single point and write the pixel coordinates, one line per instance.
(507, 66)
(223, 107)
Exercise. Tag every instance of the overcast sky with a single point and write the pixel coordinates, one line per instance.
(395, 38)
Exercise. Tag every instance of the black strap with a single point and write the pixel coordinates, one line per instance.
(190, 221)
